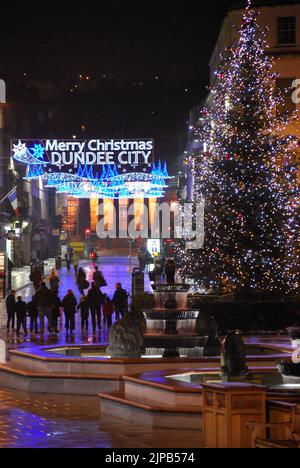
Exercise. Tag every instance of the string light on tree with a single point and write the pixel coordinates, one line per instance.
(247, 177)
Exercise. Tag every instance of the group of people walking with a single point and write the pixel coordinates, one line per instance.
(46, 303)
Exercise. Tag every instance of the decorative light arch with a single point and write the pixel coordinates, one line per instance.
(92, 180)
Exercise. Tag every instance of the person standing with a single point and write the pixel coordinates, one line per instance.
(11, 310)
(108, 310)
(34, 256)
(68, 258)
(81, 281)
(58, 262)
(99, 279)
(36, 278)
(33, 314)
(149, 259)
(163, 264)
(21, 309)
(95, 300)
(142, 259)
(69, 304)
(84, 310)
(170, 271)
(44, 303)
(75, 263)
(10, 265)
(120, 301)
(54, 282)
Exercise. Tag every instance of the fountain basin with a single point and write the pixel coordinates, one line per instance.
(167, 314)
(267, 377)
(171, 318)
(171, 288)
(175, 345)
(85, 369)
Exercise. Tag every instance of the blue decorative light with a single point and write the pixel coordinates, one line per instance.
(35, 172)
(30, 156)
(38, 151)
(84, 183)
(165, 172)
(55, 180)
(86, 172)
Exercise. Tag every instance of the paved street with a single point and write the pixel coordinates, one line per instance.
(115, 269)
(50, 421)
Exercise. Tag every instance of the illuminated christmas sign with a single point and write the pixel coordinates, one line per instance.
(94, 168)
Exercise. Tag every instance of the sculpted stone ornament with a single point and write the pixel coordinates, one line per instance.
(2, 352)
(126, 339)
(290, 369)
(233, 358)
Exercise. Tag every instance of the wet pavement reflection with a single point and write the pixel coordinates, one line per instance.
(115, 269)
(58, 421)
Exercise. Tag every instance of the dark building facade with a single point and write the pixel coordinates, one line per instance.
(31, 229)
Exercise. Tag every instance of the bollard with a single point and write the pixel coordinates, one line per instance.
(3, 317)
(227, 409)
(2, 352)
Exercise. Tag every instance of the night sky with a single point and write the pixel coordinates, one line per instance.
(147, 66)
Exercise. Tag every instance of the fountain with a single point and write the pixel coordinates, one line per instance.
(174, 329)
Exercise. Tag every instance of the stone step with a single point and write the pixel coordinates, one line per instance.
(160, 390)
(40, 360)
(150, 413)
(58, 383)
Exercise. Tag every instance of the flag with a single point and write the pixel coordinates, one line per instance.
(13, 199)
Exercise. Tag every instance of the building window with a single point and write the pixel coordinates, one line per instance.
(287, 30)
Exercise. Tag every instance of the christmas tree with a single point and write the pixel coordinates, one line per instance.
(247, 177)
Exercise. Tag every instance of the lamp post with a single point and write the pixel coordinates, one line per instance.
(87, 242)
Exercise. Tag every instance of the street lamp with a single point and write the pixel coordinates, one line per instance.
(87, 241)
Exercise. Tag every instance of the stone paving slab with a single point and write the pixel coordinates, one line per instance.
(114, 269)
(48, 421)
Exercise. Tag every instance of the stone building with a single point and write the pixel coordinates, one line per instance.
(32, 229)
(281, 18)
(282, 21)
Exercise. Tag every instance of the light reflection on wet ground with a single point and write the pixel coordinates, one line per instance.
(49, 421)
(115, 269)
(33, 421)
